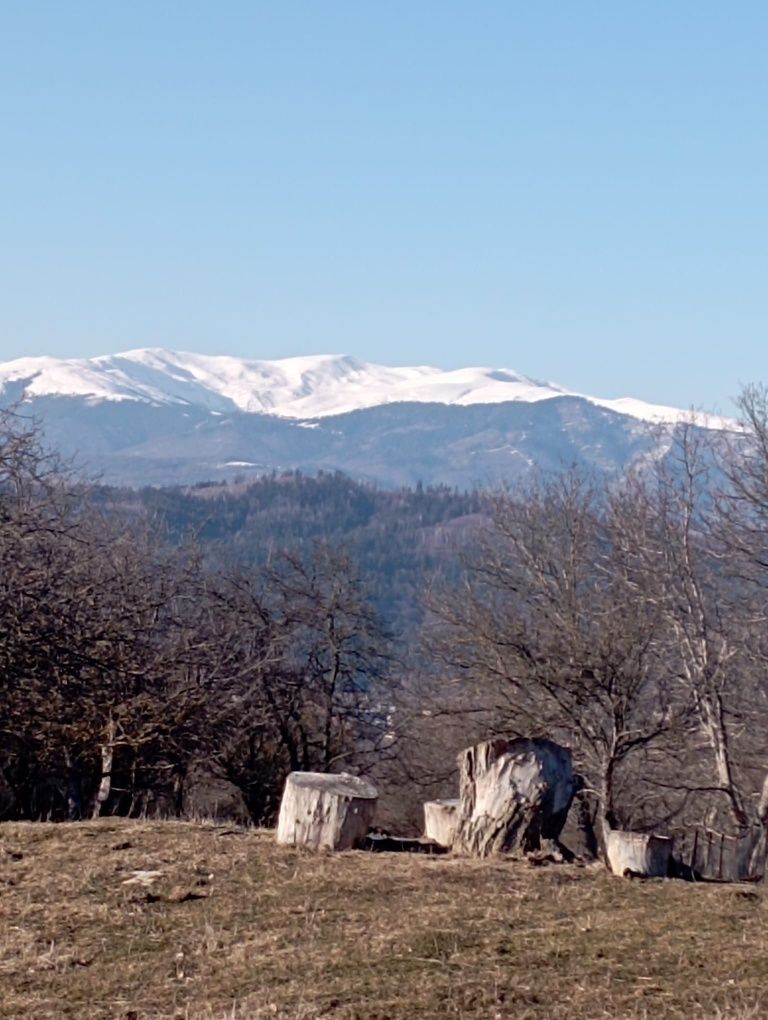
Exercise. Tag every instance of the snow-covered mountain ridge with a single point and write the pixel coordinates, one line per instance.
(310, 387)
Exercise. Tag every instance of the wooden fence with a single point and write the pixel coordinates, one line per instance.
(717, 857)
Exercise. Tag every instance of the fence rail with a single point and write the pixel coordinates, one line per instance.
(719, 857)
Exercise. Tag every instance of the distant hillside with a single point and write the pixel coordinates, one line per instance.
(392, 445)
(399, 538)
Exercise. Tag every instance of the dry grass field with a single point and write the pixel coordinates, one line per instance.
(232, 927)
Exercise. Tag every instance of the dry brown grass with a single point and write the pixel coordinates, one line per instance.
(236, 928)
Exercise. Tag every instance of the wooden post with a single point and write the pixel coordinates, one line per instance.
(326, 812)
(440, 821)
(638, 853)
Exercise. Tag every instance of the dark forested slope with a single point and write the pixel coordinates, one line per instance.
(399, 539)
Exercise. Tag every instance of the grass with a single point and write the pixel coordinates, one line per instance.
(237, 928)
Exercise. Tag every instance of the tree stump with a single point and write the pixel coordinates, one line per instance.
(323, 811)
(638, 853)
(513, 794)
(440, 821)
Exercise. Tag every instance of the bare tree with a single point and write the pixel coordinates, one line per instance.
(337, 651)
(555, 630)
(708, 612)
(742, 527)
(303, 673)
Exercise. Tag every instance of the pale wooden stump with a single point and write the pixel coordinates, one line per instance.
(638, 853)
(512, 795)
(440, 821)
(326, 812)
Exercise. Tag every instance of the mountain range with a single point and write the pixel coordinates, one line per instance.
(153, 416)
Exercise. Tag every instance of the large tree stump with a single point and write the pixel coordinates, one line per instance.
(440, 821)
(638, 853)
(322, 811)
(513, 794)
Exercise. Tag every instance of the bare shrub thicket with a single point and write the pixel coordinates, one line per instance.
(304, 680)
(124, 664)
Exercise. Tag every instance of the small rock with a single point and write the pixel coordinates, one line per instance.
(143, 878)
(181, 895)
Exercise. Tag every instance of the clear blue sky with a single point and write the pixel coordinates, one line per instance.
(575, 189)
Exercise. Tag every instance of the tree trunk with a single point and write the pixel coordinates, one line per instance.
(638, 854)
(762, 805)
(714, 727)
(586, 822)
(74, 812)
(513, 794)
(757, 863)
(440, 821)
(107, 751)
(321, 811)
(607, 814)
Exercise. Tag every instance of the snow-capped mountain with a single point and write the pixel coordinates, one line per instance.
(155, 416)
(307, 387)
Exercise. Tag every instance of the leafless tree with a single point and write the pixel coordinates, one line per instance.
(741, 518)
(556, 632)
(708, 613)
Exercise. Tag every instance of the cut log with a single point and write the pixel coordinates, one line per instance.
(440, 821)
(638, 854)
(513, 794)
(322, 811)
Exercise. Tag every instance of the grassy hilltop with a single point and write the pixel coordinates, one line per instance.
(235, 927)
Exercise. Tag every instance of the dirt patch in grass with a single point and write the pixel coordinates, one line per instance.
(137, 920)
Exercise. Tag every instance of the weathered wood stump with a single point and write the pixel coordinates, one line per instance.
(513, 794)
(440, 821)
(322, 811)
(638, 853)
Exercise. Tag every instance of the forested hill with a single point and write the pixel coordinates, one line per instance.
(399, 539)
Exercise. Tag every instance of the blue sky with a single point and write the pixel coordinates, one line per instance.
(574, 190)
